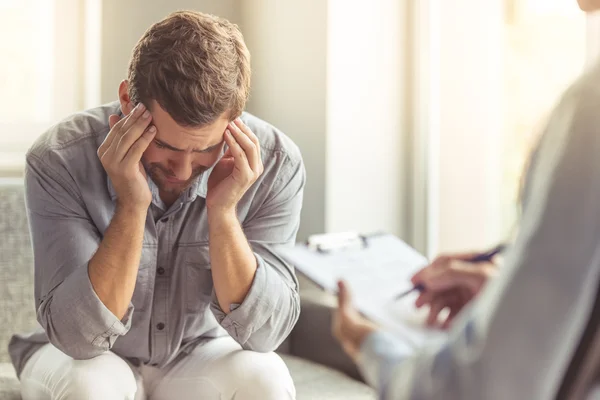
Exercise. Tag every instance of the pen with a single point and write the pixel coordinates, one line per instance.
(483, 257)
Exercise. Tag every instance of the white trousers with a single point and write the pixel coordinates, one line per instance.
(219, 369)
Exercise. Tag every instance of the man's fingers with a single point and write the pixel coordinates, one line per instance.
(239, 156)
(112, 120)
(244, 128)
(131, 135)
(250, 148)
(133, 116)
(134, 155)
(118, 126)
(257, 165)
(120, 129)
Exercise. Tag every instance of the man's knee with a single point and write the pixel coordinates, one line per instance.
(266, 377)
(103, 377)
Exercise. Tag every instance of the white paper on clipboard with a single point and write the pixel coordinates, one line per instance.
(376, 274)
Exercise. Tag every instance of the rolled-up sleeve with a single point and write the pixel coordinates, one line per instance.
(272, 306)
(64, 240)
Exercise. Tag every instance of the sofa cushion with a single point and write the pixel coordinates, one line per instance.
(9, 385)
(16, 265)
(316, 382)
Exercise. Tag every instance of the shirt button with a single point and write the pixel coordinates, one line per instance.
(166, 219)
(154, 364)
(160, 326)
(160, 270)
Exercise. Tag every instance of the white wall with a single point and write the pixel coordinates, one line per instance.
(124, 22)
(366, 128)
(287, 40)
(470, 124)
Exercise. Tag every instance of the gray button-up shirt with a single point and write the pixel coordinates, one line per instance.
(70, 203)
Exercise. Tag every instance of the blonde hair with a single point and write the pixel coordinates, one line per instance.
(195, 65)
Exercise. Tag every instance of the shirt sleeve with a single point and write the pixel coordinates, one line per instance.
(64, 240)
(272, 306)
(517, 339)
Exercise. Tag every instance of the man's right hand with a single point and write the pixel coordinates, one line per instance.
(451, 282)
(121, 154)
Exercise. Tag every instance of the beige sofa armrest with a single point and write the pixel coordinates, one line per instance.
(312, 338)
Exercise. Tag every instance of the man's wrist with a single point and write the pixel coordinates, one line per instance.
(131, 210)
(220, 219)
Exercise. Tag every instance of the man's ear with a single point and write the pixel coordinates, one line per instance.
(124, 99)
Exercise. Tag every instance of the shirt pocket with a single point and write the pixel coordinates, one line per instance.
(198, 275)
(144, 284)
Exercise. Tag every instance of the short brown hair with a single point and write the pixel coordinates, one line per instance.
(195, 65)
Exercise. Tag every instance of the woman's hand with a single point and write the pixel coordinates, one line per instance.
(349, 327)
(451, 282)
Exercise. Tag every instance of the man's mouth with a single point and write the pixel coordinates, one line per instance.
(172, 179)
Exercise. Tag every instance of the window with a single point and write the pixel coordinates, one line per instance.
(545, 51)
(49, 68)
(502, 64)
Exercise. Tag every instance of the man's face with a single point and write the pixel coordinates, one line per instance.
(178, 155)
(589, 5)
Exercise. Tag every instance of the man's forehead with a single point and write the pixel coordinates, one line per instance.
(162, 117)
(178, 140)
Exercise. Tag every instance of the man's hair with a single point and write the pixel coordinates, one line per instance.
(195, 65)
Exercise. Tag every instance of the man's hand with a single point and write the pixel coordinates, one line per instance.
(236, 171)
(114, 267)
(349, 327)
(233, 262)
(121, 154)
(451, 282)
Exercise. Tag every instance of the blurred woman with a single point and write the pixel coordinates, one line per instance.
(521, 335)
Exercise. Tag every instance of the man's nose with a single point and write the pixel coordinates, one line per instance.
(182, 167)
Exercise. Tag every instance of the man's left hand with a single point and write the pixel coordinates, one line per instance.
(239, 168)
(349, 327)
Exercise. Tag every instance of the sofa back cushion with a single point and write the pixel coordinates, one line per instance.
(17, 309)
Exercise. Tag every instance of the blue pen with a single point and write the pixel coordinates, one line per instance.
(483, 257)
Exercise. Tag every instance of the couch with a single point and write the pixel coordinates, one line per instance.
(318, 366)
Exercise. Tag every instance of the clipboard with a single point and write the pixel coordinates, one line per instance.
(377, 267)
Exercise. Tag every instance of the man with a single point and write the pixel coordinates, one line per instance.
(152, 221)
(532, 331)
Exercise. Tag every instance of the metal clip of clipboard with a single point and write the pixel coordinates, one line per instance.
(332, 242)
